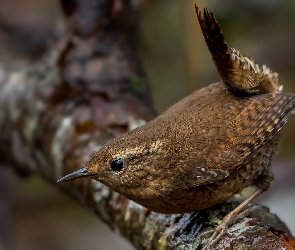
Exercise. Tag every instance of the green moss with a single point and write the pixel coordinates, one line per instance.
(193, 246)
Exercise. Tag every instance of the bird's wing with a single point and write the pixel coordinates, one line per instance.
(235, 143)
(256, 121)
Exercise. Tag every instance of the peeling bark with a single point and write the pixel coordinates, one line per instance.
(89, 88)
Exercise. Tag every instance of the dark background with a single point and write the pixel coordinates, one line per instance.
(177, 62)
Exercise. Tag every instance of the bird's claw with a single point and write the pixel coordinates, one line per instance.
(217, 233)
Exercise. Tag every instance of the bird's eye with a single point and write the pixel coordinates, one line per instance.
(117, 165)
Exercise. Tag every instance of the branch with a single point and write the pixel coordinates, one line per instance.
(89, 88)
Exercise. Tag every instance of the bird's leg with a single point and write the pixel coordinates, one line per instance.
(248, 212)
(220, 230)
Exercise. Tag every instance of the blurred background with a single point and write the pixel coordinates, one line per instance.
(177, 62)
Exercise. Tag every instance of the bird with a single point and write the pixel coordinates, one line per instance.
(205, 148)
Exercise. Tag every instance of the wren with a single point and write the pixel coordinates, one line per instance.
(207, 147)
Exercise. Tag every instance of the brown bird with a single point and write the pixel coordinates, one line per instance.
(207, 147)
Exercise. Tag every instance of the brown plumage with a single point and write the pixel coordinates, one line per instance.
(205, 148)
(240, 73)
(210, 143)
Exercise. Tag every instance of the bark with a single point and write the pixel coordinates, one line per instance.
(88, 88)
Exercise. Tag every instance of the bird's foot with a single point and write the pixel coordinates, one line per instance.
(229, 219)
(218, 232)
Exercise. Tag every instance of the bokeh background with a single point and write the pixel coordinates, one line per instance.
(36, 215)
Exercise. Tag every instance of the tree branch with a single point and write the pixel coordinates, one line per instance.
(89, 88)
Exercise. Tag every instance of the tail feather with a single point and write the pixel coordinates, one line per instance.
(216, 43)
(240, 74)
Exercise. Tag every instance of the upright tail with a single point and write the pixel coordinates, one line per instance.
(240, 74)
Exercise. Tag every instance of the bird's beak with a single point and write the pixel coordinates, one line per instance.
(83, 172)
